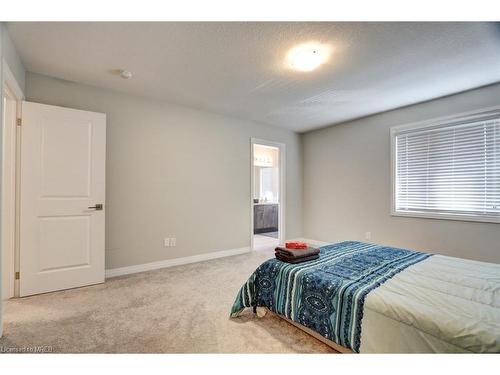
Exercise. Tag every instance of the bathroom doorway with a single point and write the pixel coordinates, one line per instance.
(267, 198)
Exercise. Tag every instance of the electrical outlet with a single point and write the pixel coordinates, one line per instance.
(169, 241)
(368, 235)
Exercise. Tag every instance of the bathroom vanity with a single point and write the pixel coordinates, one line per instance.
(265, 217)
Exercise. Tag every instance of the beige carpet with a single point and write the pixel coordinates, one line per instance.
(183, 309)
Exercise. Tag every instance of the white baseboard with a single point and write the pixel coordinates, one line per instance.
(113, 272)
(311, 242)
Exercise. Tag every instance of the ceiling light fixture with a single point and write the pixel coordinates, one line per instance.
(126, 74)
(307, 57)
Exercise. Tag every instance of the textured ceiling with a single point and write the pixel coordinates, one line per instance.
(238, 69)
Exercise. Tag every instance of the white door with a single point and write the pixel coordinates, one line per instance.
(62, 180)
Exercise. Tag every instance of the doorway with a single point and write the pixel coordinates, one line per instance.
(267, 197)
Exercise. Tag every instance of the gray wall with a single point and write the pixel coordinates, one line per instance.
(13, 60)
(174, 171)
(347, 184)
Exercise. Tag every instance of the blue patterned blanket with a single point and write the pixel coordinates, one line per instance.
(326, 295)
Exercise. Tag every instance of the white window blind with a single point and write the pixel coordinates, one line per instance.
(449, 170)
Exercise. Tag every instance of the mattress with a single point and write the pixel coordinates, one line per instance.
(384, 300)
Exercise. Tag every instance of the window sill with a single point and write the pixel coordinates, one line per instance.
(456, 217)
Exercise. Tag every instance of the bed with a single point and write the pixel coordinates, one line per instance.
(366, 298)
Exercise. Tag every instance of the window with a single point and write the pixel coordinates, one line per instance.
(448, 169)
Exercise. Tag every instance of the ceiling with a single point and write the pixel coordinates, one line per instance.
(239, 69)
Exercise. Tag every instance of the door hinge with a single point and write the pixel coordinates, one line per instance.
(19, 122)
(17, 276)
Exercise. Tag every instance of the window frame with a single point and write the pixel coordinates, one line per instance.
(431, 123)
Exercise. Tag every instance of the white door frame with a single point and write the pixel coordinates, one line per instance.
(9, 227)
(282, 187)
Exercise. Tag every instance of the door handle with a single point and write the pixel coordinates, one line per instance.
(97, 207)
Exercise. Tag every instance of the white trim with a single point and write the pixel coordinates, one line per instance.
(312, 242)
(8, 193)
(435, 122)
(10, 80)
(11, 85)
(252, 186)
(446, 216)
(113, 272)
(282, 187)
